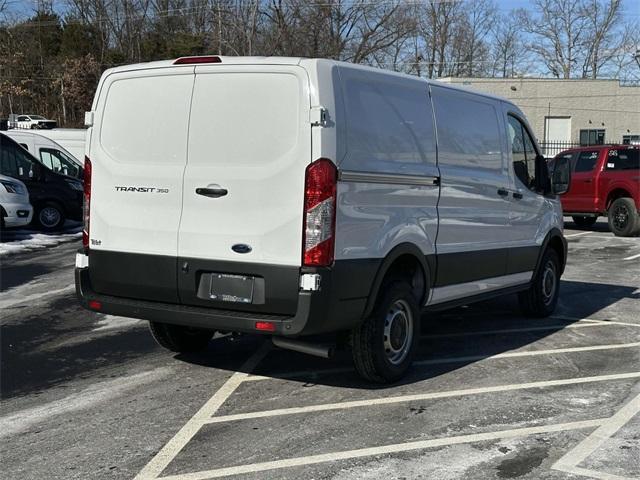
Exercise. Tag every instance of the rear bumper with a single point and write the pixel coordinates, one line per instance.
(317, 312)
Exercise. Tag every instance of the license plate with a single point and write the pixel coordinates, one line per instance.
(231, 288)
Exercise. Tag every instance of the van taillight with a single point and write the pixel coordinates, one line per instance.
(319, 213)
(87, 202)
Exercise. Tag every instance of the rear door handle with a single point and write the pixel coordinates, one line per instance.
(212, 192)
(517, 195)
(588, 180)
(502, 192)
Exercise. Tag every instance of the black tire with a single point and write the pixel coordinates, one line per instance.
(584, 222)
(541, 298)
(624, 220)
(178, 338)
(49, 216)
(383, 345)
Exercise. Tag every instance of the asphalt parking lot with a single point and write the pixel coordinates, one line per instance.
(493, 395)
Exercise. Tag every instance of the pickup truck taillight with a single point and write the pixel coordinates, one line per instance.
(319, 214)
(86, 208)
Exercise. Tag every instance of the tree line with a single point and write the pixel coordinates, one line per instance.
(50, 63)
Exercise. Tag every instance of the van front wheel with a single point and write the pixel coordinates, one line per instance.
(541, 298)
(178, 338)
(385, 343)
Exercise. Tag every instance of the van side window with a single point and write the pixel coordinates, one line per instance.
(14, 161)
(468, 131)
(58, 162)
(628, 159)
(388, 125)
(523, 153)
(586, 161)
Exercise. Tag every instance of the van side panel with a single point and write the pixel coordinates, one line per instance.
(474, 217)
(388, 189)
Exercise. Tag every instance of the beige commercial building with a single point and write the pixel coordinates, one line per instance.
(562, 111)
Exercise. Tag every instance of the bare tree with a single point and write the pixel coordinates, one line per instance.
(558, 29)
(602, 41)
(508, 48)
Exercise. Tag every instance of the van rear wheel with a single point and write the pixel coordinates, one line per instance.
(541, 298)
(178, 338)
(584, 222)
(624, 220)
(384, 344)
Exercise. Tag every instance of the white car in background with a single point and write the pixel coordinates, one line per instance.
(15, 209)
(34, 121)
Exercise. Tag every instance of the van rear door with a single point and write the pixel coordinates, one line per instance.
(138, 152)
(249, 144)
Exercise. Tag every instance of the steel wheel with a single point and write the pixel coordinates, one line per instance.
(398, 332)
(549, 283)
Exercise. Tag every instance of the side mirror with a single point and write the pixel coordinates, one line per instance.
(561, 176)
(542, 176)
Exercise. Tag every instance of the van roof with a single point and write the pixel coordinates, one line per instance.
(302, 61)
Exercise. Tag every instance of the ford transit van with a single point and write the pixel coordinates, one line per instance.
(55, 197)
(50, 153)
(291, 197)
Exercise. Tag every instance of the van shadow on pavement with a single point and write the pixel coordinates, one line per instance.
(580, 300)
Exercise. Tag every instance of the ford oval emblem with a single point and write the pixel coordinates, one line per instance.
(241, 248)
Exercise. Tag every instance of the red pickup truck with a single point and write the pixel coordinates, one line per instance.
(605, 180)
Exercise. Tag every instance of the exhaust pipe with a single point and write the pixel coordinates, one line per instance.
(303, 347)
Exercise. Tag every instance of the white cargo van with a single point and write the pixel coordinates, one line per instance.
(50, 153)
(71, 139)
(293, 197)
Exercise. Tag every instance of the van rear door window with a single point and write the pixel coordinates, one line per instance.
(144, 119)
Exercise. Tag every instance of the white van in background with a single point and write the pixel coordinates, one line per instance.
(71, 139)
(293, 197)
(49, 152)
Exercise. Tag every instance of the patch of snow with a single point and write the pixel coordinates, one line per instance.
(23, 240)
(111, 322)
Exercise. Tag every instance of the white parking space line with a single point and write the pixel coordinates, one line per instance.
(420, 396)
(569, 462)
(526, 353)
(166, 455)
(632, 257)
(383, 450)
(607, 322)
(577, 234)
(517, 330)
(444, 360)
